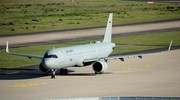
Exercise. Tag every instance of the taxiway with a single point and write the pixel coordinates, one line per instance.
(156, 75)
(83, 34)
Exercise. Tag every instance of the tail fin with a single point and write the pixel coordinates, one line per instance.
(108, 33)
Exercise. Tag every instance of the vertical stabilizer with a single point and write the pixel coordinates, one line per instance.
(108, 33)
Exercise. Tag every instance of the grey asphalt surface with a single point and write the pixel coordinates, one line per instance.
(156, 75)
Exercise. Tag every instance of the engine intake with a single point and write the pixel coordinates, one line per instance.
(100, 66)
(43, 69)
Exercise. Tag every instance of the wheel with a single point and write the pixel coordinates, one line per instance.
(53, 76)
(65, 71)
(61, 72)
(96, 72)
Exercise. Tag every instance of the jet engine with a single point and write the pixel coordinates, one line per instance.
(100, 66)
(43, 69)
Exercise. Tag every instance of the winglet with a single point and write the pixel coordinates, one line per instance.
(7, 47)
(108, 33)
(170, 45)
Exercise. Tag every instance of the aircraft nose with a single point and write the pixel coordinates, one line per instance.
(48, 63)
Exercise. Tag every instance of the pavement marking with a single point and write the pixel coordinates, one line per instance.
(147, 65)
(136, 67)
(127, 68)
(28, 84)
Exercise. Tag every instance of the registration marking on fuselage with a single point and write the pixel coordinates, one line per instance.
(128, 68)
(30, 84)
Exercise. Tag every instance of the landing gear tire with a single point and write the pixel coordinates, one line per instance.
(63, 71)
(53, 76)
(98, 72)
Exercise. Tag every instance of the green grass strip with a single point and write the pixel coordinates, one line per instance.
(27, 16)
(157, 39)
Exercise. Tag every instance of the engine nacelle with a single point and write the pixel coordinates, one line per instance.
(43, 69)
(100, 66)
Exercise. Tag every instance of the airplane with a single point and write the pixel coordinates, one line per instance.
(95, 54)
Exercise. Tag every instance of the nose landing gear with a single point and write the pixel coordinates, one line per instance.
(53, 76)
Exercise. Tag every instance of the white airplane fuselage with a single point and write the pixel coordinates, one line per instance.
(75, 55)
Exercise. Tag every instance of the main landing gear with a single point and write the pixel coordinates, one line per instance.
(62, 72)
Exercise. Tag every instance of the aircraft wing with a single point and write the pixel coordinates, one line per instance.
(121, 57)
(24, 55)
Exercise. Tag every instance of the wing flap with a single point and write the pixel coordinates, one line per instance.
(122, 57)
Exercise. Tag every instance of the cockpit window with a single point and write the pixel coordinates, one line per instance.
(50, 56)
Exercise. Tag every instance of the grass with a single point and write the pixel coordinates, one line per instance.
(26, 16)
(157, 39)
